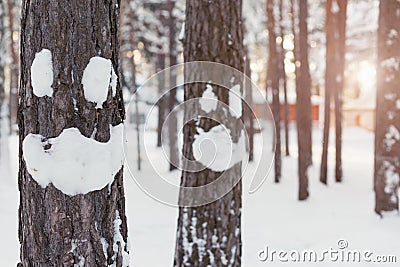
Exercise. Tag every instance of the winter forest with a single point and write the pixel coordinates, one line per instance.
(200, 133)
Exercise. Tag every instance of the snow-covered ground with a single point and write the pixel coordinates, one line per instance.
(271, 217)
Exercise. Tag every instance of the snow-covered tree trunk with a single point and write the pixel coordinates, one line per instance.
(72, 204)
(387, 135)
(303, 107)
(210, 235)
(273, 85)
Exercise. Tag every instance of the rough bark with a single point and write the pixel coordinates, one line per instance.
(303, 107)
(387, 141)
(213, 32)
(57, 229)
(273, 86)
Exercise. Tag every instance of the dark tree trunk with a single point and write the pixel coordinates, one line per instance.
(303, 108)
(173, 128)
(14, 66)
(341, 50)
(161, 103)
(213, 32)
(248, 109)
(56, 229)
(273, 86)
(283, 79)
(387, 143)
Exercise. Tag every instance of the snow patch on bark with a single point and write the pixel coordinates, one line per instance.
(209, 101)
(97, 78)
(42, 74)
(391, 137)
(235, 101)
(72, 162)
(119, 239)
(215, 149)
(392, 180)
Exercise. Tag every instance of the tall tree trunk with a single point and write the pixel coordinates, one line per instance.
(14, 66)
(330, 80)
(2, 64)
(57, 229)
(387, 140)
(303, 108)
(283, 79)
(210, 235)
(341, 50)
(173, 128)
(273, 86)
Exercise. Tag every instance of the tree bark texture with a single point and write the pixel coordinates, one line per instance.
(210, 235)
(56, 229)
(387, 141)
(303, 107)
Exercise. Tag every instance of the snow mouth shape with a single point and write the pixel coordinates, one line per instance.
(72, 162)
(42, 74)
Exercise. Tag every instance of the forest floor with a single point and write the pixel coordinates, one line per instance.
(271, 217)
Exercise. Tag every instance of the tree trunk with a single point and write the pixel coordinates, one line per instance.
(210, 235)
(330, 80)
(56, 229)
(341, 50)
(161, 102)
(283, 79)
(303, 108)
(387, 140)
(248, 109)
(173, 128)
(2, 64)
(273, 86)
(14, 66)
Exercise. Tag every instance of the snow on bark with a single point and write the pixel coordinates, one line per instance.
(97, 78)
(209, 101)
(119, 241)
(72, 162)
(42, 74)
(215, 149)
(235, 101)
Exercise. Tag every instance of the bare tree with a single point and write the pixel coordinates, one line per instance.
(303, 107)
(56, 228)
(273, 86)
(210, 235)
(387, 140)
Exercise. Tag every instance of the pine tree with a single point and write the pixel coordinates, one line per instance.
(387, 135)
(58, 229)
(210, 235)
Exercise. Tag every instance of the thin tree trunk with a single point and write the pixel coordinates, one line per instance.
(248, 109)
(173, 128)
(161, 103)
(273, 86)
(330, 80)
(56, 229)
(2, 64)
(303, 108)
(210, 235)
(387, 141)
(283, 80)
(341, 50)
(14, 66)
